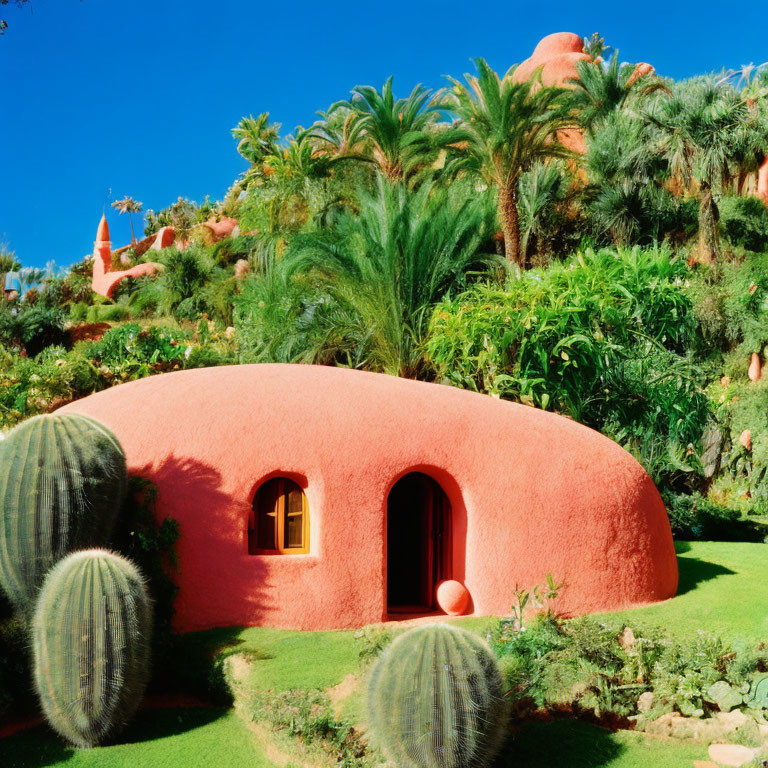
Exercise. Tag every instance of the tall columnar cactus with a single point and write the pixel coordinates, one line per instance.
(91, 635)
(62, 483)
(435, 700)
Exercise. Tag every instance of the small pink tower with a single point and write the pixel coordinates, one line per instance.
(104, 280)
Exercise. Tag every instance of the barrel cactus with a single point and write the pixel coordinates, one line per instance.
(91, 636)
(435, 700)
(62, 483)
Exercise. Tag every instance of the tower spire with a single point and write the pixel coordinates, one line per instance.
(102, 233)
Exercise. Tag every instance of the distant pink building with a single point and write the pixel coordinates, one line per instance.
(105, 280)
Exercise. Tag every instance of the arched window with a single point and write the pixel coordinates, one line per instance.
(279, 520)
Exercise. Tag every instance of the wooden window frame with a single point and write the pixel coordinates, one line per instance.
(280, 548)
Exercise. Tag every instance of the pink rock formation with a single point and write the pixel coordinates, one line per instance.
(556, 56)
(745, 438)
(104, 280)
(755, 368)
(221, 229)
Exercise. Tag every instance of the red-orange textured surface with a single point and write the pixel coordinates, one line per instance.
(531, 492)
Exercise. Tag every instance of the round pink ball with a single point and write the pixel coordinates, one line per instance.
(452, 597)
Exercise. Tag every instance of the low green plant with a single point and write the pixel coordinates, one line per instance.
(309, 717)
(744, 222)
(694, 517)
(372, 641)
(601, 669)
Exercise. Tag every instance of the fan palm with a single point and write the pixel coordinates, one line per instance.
(506, 127)
(599, 90)
(625, 198)
(401, 132)
(130, 206)
(702, 130)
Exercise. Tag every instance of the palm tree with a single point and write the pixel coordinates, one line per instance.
(362, 295)
(702, 130)
(543, 190)
(256, 137)
(130, 206)
(599, 90)
(339, 133)
(402, 133)
(506, 127)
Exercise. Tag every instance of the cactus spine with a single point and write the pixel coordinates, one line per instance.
(91, 636)
(62, 483)
(435, 700)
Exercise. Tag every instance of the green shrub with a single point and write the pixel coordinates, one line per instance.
(129, 346)
(601, 668)
(697, 518)
(152, 547)
(602, 338)
(744, 222)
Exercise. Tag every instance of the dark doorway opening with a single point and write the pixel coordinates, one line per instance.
(419, 550)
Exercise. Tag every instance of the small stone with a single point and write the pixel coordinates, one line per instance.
(645, 702)
(731, 755)
(733, 719)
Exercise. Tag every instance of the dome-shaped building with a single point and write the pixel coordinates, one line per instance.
(311, 497)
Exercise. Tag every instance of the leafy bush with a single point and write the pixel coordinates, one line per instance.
(33, 328)
(601, 338)
(744, 222)
(597, 668)
(697, 518)
(152, 547)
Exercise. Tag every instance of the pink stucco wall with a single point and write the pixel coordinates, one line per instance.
(532, 493)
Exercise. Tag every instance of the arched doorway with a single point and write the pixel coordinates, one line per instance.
(419, 549)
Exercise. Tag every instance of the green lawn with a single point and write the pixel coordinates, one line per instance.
(579, 745)
(723, 589)
(158, 738)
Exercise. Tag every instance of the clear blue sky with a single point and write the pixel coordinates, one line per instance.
(105, 98)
